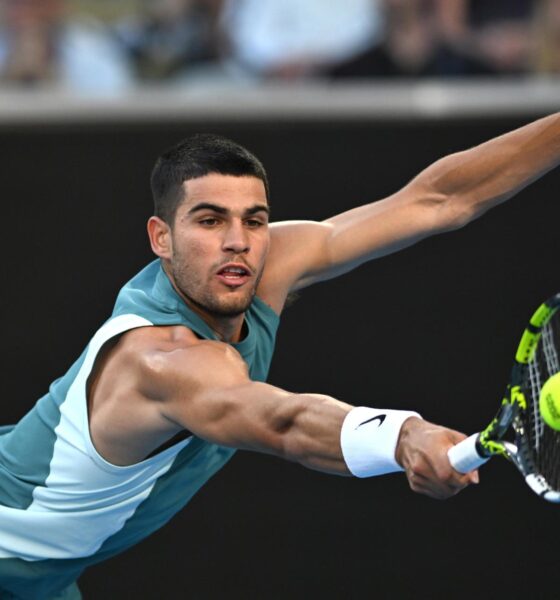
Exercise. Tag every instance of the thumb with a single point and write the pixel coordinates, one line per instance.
(474, 477)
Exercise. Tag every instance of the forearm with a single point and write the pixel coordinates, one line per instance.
(463, 186)
(303, 428)
(314, 430)
(312, 437)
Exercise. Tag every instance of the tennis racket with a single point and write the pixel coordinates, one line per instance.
(534, 447)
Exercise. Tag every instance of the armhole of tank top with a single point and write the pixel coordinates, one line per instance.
(108, 331)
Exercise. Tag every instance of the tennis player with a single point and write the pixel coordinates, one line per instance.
(174, 382)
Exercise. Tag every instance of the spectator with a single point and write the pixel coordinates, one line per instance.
(289, 39)
(41, 45)
(491, 37)
(448, 38)
(169, 37)
(410, 46)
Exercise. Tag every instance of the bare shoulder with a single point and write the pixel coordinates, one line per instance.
(138, 344)
(163, 358)
(296, 249)
(145, 375)
(286, 234)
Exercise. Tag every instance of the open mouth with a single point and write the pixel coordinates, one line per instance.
(234, 274)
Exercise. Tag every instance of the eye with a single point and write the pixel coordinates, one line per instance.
(254, 223)
(208, 221)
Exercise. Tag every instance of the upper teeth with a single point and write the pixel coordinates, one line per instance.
(234, 270)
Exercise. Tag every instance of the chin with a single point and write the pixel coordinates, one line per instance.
(225, 305)
(233, 308)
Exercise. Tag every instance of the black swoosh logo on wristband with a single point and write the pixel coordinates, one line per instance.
(379, 418)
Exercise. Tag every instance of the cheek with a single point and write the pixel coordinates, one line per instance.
(193, 249)
(193, 260)
(196, 248)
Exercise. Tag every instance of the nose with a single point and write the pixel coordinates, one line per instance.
(236, 239)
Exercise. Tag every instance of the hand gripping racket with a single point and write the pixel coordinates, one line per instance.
(535, 447)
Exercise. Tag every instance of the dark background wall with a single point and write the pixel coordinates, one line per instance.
(432, 328)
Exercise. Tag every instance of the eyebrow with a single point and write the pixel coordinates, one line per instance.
(222, 210)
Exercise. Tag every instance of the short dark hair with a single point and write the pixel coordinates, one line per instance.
(194, 157)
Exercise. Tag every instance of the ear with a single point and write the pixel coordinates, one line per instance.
(159, 233)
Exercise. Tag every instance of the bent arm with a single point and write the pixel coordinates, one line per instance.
(448, 194)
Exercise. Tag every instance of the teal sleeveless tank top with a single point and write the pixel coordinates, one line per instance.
(62, 506)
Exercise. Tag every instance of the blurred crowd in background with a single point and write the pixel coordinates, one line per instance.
(113, 45)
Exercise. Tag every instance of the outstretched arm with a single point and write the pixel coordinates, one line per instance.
(205, 388)
(445, 196)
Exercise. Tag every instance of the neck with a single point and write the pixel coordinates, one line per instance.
(228, 329)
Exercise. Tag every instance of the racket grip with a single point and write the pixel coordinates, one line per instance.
(464, 456)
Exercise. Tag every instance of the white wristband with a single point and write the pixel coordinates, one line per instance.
(369, 439)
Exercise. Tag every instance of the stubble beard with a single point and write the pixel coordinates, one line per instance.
(195, 292)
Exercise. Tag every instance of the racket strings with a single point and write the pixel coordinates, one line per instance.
(541, 444)
(535, 418)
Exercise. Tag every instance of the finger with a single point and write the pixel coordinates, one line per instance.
(463, 480)
(441, 470)
(434, 486)
(441, 482)
(435, 476)
(474, 476)
(434, 491)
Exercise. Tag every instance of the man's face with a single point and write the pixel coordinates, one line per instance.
(220, 240)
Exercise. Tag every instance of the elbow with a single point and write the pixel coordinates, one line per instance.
(445, 204)
(455, 216)
(460, 211)
(455, 194)
(449, 212)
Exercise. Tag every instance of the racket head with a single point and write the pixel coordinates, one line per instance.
(537, 444)
(535, 450)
